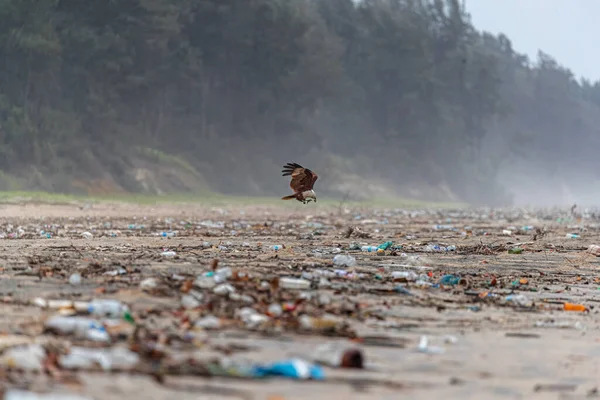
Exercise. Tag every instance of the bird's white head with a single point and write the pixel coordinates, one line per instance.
(310, 194)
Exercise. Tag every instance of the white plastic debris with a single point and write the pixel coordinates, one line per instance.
(30, 357)
(425, 348)
(342, 260)
(81, 327)
(594, 249)
(292, 283)
(75, 279)
(18, 394)
(114, 358)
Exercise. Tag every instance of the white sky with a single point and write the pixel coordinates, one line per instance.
(568, 30)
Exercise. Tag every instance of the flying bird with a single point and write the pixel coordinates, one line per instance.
(302, 183)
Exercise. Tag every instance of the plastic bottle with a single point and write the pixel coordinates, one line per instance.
(208, 322)
(293, 283)
(114, 358)
(79, 326)
(277, 247)
(369, 249)
(520, 300)
(574, 307)
(107, 307)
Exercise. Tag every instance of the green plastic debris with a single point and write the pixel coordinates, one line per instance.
(129, 318)
(385, 246)
(515, 250)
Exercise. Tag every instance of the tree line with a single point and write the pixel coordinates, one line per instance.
(401, 93)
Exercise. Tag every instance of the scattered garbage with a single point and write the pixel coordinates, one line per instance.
(226, 285)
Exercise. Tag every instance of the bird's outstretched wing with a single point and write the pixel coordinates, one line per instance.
(302, 178)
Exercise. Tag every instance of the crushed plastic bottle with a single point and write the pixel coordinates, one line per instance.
(572, 236)
(277, 247)
(168, 254)
(344, 260)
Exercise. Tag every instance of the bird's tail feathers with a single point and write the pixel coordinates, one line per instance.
(290, 197)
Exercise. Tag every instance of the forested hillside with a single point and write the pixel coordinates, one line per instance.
(405, 96)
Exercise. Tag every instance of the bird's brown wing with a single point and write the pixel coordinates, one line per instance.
(302, 178)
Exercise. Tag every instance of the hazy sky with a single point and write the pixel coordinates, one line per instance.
(568, 30)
